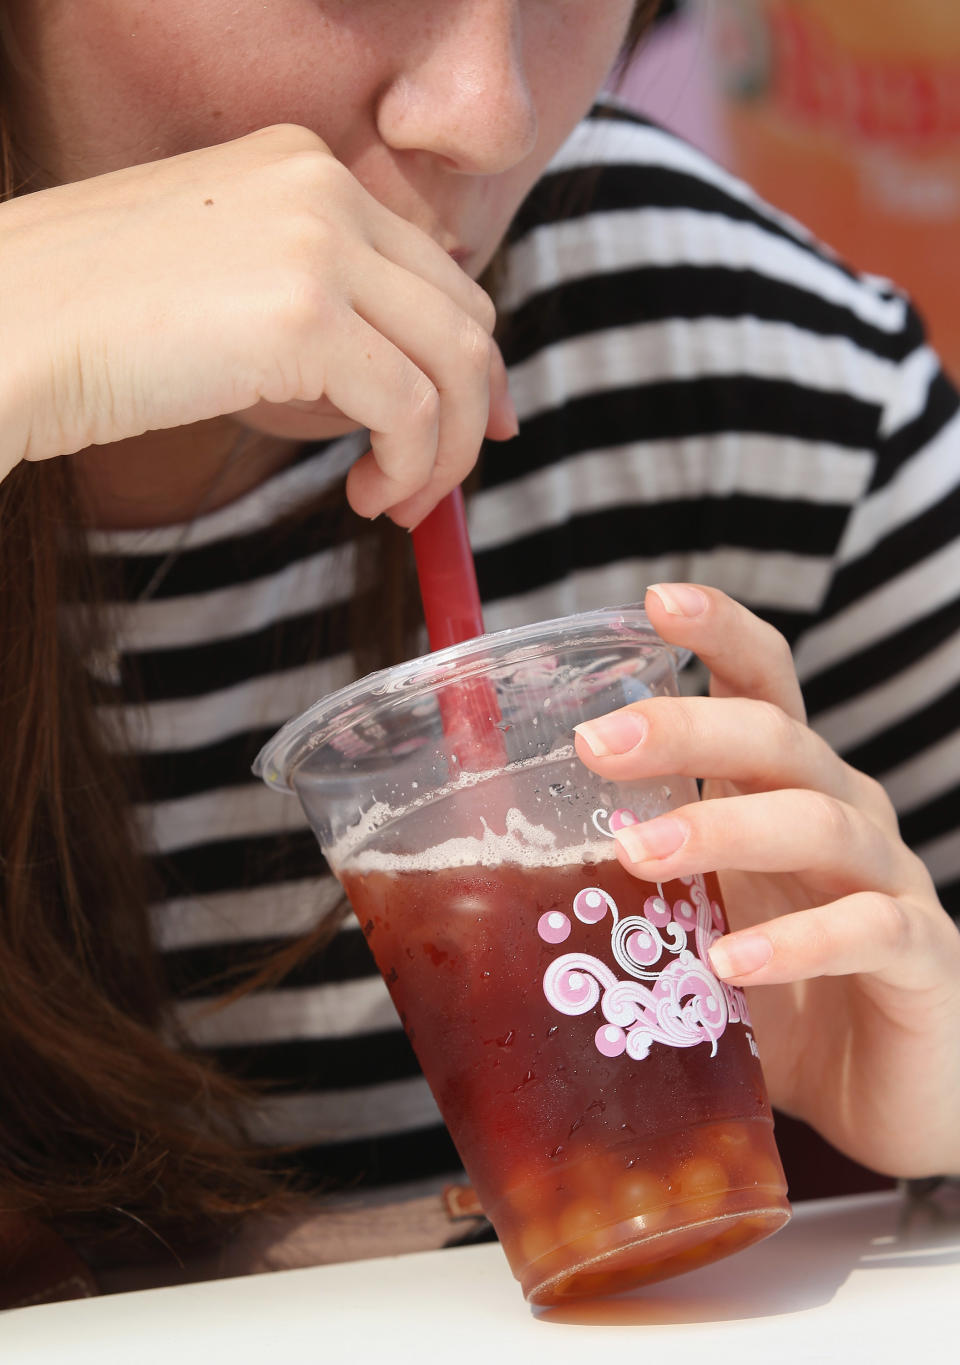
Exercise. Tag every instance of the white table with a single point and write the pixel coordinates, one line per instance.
(848, 1280)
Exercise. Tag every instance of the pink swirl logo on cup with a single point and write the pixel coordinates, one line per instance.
(684, 1004)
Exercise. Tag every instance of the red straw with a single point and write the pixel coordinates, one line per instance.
(447, 574)
(451, 606)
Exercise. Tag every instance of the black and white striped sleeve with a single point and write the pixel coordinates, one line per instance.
(881, 666)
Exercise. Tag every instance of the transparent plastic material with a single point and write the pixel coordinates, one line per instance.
(602, 1087)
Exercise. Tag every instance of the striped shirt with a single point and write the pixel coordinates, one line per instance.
(705, 394)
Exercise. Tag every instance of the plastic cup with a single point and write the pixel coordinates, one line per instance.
(601, 1085)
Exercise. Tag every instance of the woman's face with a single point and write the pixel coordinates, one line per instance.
(446, 110)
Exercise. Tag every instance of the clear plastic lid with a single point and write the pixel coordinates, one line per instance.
(505, 657)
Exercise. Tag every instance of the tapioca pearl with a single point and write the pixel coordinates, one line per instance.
(536, 1239)
(761, 1170)
(585, 1177)
(590, 906)
(553, 927)
(702, 1190)
(700, 1178)
(637, 1193)
(732, 1144)
(611, 1041)
(580, 1218)
(517, 1205)
(523, 1196)
(732, 1136)
(733, 1238)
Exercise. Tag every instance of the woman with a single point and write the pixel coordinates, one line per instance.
(239, 266)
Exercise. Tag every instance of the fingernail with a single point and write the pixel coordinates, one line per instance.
(679, 599)
(652, 839)
(617, 733)
(740, 954)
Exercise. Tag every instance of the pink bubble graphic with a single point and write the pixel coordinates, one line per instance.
(553, 927)
(576, 989)
(683, 1006)
(685, 915)
(590, 905)
(657, 911)
(620, 819)
(610, 1040)
(642, 948)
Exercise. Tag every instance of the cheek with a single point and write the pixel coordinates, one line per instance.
(130, 82)
(570, 64)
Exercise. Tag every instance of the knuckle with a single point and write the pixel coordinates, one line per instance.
(781, 732)
(890, 920)
(309, 187)
(780, 646)
(300, 303)
(774, 646)
(673, 723)
(877, 801)
(830, 819)
(423, 401)
(475, 349)
(483, 308)
(770, 660)
(314, 243)
(289, 137)
(299, 170)
(686, 722)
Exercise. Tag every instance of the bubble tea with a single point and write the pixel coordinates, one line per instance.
(601, 1085)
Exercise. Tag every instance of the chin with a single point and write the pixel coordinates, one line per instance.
(301, 423)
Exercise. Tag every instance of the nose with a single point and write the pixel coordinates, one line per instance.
(460, 89)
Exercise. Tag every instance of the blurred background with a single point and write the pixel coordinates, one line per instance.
(844, 113)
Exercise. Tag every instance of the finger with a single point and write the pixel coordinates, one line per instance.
(373, 383)
(746, 657)
(411, 511)
(866, 932)
(407, 246)
(343, 197)
(837, 848)
(502, 424)
(752, 744)
(453, 351)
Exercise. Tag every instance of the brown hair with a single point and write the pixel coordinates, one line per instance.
(106, 1127)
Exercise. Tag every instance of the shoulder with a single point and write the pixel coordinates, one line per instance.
(636, 246)
(625, 198)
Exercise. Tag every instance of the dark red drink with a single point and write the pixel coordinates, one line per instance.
(601, 1085)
